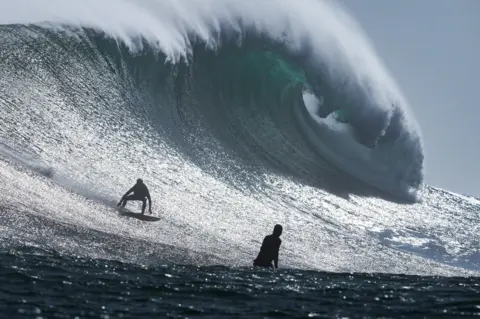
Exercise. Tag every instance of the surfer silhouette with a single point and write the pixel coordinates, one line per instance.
(140, 193)
(269, 250)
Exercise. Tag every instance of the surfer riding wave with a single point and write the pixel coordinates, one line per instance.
(140, 193)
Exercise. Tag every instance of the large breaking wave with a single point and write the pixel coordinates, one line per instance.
(266, 78)
(238, 115)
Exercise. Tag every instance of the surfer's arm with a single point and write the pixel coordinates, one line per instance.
(128, 192)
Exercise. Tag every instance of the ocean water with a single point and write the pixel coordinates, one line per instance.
(238, 116)
(45, 285)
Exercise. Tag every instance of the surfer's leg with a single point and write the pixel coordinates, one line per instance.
(144, 205)
(126, 199)
(262, 264)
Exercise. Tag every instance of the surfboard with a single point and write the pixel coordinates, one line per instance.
(127, 213)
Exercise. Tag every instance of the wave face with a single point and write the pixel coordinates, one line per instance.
(228, 110)
(249, 62)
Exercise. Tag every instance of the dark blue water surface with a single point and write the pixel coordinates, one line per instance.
(46, 285)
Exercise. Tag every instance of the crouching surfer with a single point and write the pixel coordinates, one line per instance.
(140, 193)
(269, 250)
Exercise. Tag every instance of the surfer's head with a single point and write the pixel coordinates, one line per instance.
(277, 230)
(139, 181)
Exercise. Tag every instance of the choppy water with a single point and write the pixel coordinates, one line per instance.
(42, 285)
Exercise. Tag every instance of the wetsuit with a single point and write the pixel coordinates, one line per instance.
(140, 192)
(268, 252)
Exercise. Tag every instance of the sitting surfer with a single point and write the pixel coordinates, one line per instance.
(269, 250)
(141, 193)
